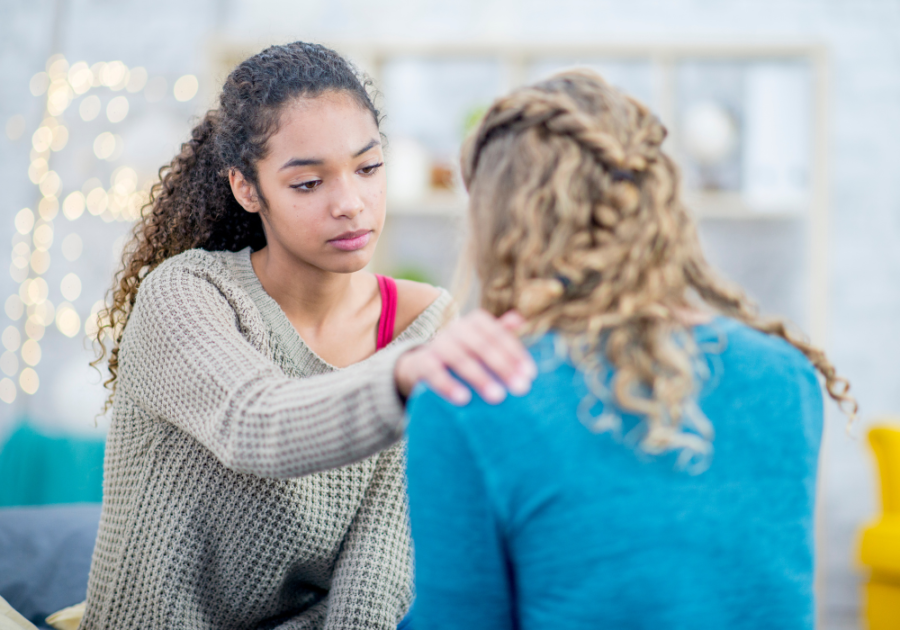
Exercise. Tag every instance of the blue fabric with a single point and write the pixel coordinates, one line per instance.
(40, 469)
(524, 518)
(45, 557)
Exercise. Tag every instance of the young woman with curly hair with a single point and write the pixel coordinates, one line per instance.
(253, 476)
(661, 472)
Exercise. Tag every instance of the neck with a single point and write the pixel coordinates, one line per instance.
(307, 294)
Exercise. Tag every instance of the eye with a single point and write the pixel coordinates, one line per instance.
(307, 186)
(369, 170)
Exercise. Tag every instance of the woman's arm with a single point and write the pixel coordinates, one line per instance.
(463, 575)
(184, 359)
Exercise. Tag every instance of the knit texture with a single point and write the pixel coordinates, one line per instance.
(243, 483)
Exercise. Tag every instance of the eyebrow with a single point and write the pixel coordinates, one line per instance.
(294, 162)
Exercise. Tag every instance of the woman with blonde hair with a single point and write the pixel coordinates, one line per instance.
(661, 472)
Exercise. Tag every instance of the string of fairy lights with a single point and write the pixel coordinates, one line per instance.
(30, 307)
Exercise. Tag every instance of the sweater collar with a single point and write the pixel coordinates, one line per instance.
(305, 359)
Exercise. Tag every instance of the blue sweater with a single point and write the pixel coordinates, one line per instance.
(524, 518)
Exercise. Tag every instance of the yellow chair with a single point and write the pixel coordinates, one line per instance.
(880, 548)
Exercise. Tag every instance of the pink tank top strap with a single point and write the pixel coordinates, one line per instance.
(388, 289)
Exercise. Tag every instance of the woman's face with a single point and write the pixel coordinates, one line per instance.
(323, 182)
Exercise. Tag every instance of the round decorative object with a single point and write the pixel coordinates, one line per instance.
(710, 133)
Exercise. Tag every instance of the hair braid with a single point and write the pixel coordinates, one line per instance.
(579, 224)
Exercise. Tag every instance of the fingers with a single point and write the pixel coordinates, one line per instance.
(458, 356)
(423, 364)
(503, 352)
(478, 349)
(440, 380)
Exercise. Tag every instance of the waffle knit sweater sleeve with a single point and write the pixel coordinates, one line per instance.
(187, 356)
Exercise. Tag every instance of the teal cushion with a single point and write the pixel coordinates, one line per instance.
(41, 469)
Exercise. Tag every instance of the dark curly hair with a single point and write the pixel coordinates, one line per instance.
(192, 205)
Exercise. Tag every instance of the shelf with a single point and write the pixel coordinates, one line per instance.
(730, 206)
(435, 205)
(703, 206)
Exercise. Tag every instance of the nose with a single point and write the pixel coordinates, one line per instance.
(347, 201)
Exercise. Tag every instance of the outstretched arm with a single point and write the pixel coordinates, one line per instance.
(183, 358)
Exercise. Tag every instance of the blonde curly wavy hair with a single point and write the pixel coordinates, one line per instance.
(577, 222)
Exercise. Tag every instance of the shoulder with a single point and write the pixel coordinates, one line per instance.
(764, 355)
(195, 267)
(193, 278)
(414, 299)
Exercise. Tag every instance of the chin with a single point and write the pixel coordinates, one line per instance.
(350, 263)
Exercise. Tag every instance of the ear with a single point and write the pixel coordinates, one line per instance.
(244, 191)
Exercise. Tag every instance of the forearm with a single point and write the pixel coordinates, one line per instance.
(184, 359)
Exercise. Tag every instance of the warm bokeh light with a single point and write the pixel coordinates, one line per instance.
(42, 313)
(39, 83)
(11, 338)
(37, 169)
(24, 220)
(14, 308)
(48, 208)
(50, 184)
(186, 88)
(40, 262)
(73, 206)
(59, 96)
(117, 109)
(71, 247)
(57, 68)
(18, 274)
(34, 329)
(115, 75)
(137, 79)
(124, 180)
(60, 138)
(70, 287)
(89, 108)
(31, 352)
(80, 77)
(36, 291)
(29, 381)
(67, 320)
(7, 391)
(43, 236)
(136, 201)
(96, 72)
(21, 254)
(97, 201)
(41, 139)
(105, 145)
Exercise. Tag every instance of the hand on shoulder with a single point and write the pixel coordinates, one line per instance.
(479, 349)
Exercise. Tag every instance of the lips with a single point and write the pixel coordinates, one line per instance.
(351, 241)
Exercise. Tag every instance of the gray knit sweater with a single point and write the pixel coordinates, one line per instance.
(243, 483)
